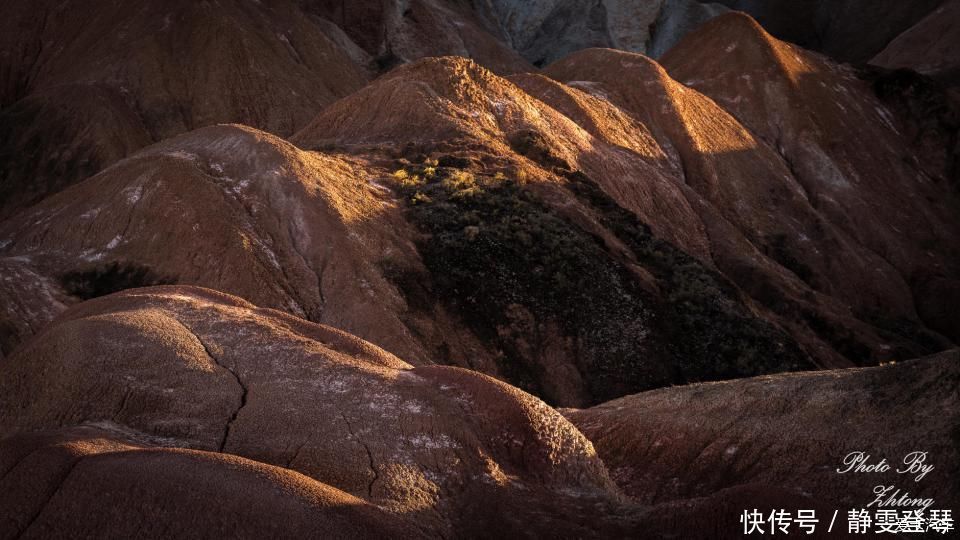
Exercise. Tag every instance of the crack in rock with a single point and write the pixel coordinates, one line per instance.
(243, 399)
(371, 464)
(63, 480)
(243, 390)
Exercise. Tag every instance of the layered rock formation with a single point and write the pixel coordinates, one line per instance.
(848, 30)
(392, 219)
(806, 107)
(547, 30)
(77, 97)
(681, 443)
(197, 369)
(929, 47)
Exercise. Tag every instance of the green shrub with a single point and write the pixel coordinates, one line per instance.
(713, 334)
(491, 246)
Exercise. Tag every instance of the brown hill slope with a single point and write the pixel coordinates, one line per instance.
(764, 231)
(57, 136)
(260, 412)
(448, 104)
(848, 30)
(195, 368)
(181, 64)
(607, 238)
(322, 238)
(147, 71)
(819, 117)
(230, 208)
(105, 479)
(452, 110)
(30, 299)
(109, 481)
(678, 443)
(929, 47)
(394, 31)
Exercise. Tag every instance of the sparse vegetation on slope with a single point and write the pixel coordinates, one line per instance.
(710, 331)
(500, 256)
(110, 278)
(497, 253)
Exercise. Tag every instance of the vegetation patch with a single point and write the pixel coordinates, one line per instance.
(110, 278)
(494, 250)
(910, 338)
(711, 332)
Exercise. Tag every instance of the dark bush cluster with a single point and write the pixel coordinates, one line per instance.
(491, 246)
(110, 278)
(711, 332)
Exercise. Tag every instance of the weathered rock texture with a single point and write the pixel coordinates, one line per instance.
(602, 227)
(848, 30)
(276, 426)
(600, 233)
(230, 208)
(815, 115)
(107, 481)
(929, 47)
(680, 443)
(320, 237)
(202, 370)
(29, 301)
(83, 84)
(547, 30)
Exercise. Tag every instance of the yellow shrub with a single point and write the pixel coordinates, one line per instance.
(420, 198)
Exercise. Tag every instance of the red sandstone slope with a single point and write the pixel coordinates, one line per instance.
(452, 103)
(395, 31)
(449, 106)
(199, 369)
(193, 389)
(844, 148)
(678, 443)
(848, 30)
(324, 238)
(929, 47)
(647, 213)
(83, 84)
(110, 481)
(445, 105)
(227, 207)
(764, 232)
(148, 393)
(62, 134)
(181, 64)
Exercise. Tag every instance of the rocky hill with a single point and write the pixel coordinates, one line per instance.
(848, 30)
(190, 387)
(711, 437)
(310, 268)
